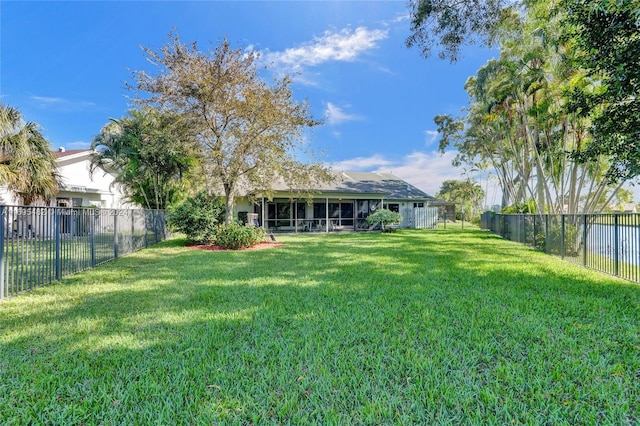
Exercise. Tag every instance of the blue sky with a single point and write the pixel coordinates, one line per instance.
(64, 65)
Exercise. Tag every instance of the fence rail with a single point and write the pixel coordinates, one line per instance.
(39, 245)
(608, 243)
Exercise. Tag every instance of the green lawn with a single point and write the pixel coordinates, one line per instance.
(417, 327)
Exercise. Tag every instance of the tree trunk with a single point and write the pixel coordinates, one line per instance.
(230, 198)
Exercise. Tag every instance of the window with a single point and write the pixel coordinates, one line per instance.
(394, 207)
(418, 205)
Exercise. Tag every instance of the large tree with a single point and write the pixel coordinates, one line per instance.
(250, 133)
(608, 35)
(605, 32)
(27, 164)
(151, 155)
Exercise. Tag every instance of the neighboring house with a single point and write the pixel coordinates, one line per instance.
(79, 188)
(341, 205)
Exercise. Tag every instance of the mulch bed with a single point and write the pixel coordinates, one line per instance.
(260, 246)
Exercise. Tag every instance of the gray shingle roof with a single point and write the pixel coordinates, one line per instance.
(381, 184)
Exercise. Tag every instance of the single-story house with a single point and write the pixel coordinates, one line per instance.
(341, 205)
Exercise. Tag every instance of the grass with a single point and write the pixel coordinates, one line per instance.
(417, 327)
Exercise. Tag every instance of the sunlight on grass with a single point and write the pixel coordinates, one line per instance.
(416, 327)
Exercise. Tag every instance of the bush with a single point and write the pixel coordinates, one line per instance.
(528, 207)
(198, 217)
(385, 218)
(237, 236)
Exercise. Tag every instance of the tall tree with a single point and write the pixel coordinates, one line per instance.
(608, 35)
(250, 133)
(606, 32)
(518, 124)
(27, 164)
(151, 155)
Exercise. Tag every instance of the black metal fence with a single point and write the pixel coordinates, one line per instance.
(40, 245)
(608, 243)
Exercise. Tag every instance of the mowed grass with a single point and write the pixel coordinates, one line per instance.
(417, 327)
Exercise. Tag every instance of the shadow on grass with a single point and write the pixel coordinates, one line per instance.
(412, 327)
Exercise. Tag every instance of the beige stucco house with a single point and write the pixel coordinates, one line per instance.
(342, 205)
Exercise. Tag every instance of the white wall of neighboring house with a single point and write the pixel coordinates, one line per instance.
(79, 187)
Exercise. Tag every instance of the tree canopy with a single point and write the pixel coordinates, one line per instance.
(27, 164)
(556, 115)
(608, 36)
(151, 155)
(450, 24)
(250, 133)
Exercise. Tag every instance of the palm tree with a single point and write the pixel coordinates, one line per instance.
(151, 155)
(27, 164)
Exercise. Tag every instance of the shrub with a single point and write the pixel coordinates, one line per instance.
(198, 217)
(385, 218)
(237, 236)
(528, 207)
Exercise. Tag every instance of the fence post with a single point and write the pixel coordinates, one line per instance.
(3, 215)
(546, 233)
(616, 242)
(115, 234)
(57, 229)
(92, 236)
(155, 224)
(584, 239)
(562, 236)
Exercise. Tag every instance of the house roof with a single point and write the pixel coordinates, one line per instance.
(68, 152)
(381, 184)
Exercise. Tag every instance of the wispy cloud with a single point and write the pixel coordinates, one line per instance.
(425, 170)
(346, 45)
(360, 164)
(399, 19)
(335, 115)
(47, 102)
(78, 145)
(430, 136)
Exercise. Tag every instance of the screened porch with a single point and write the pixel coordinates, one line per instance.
(318, 215)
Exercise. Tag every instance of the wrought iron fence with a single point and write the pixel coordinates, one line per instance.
(608, 243)
(40, 245)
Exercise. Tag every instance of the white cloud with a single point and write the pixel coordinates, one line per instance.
(425, 170)
(360, 164)
(78, 145)
(60, 103)
(335, 115)
(431, 136)
(333, 46)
